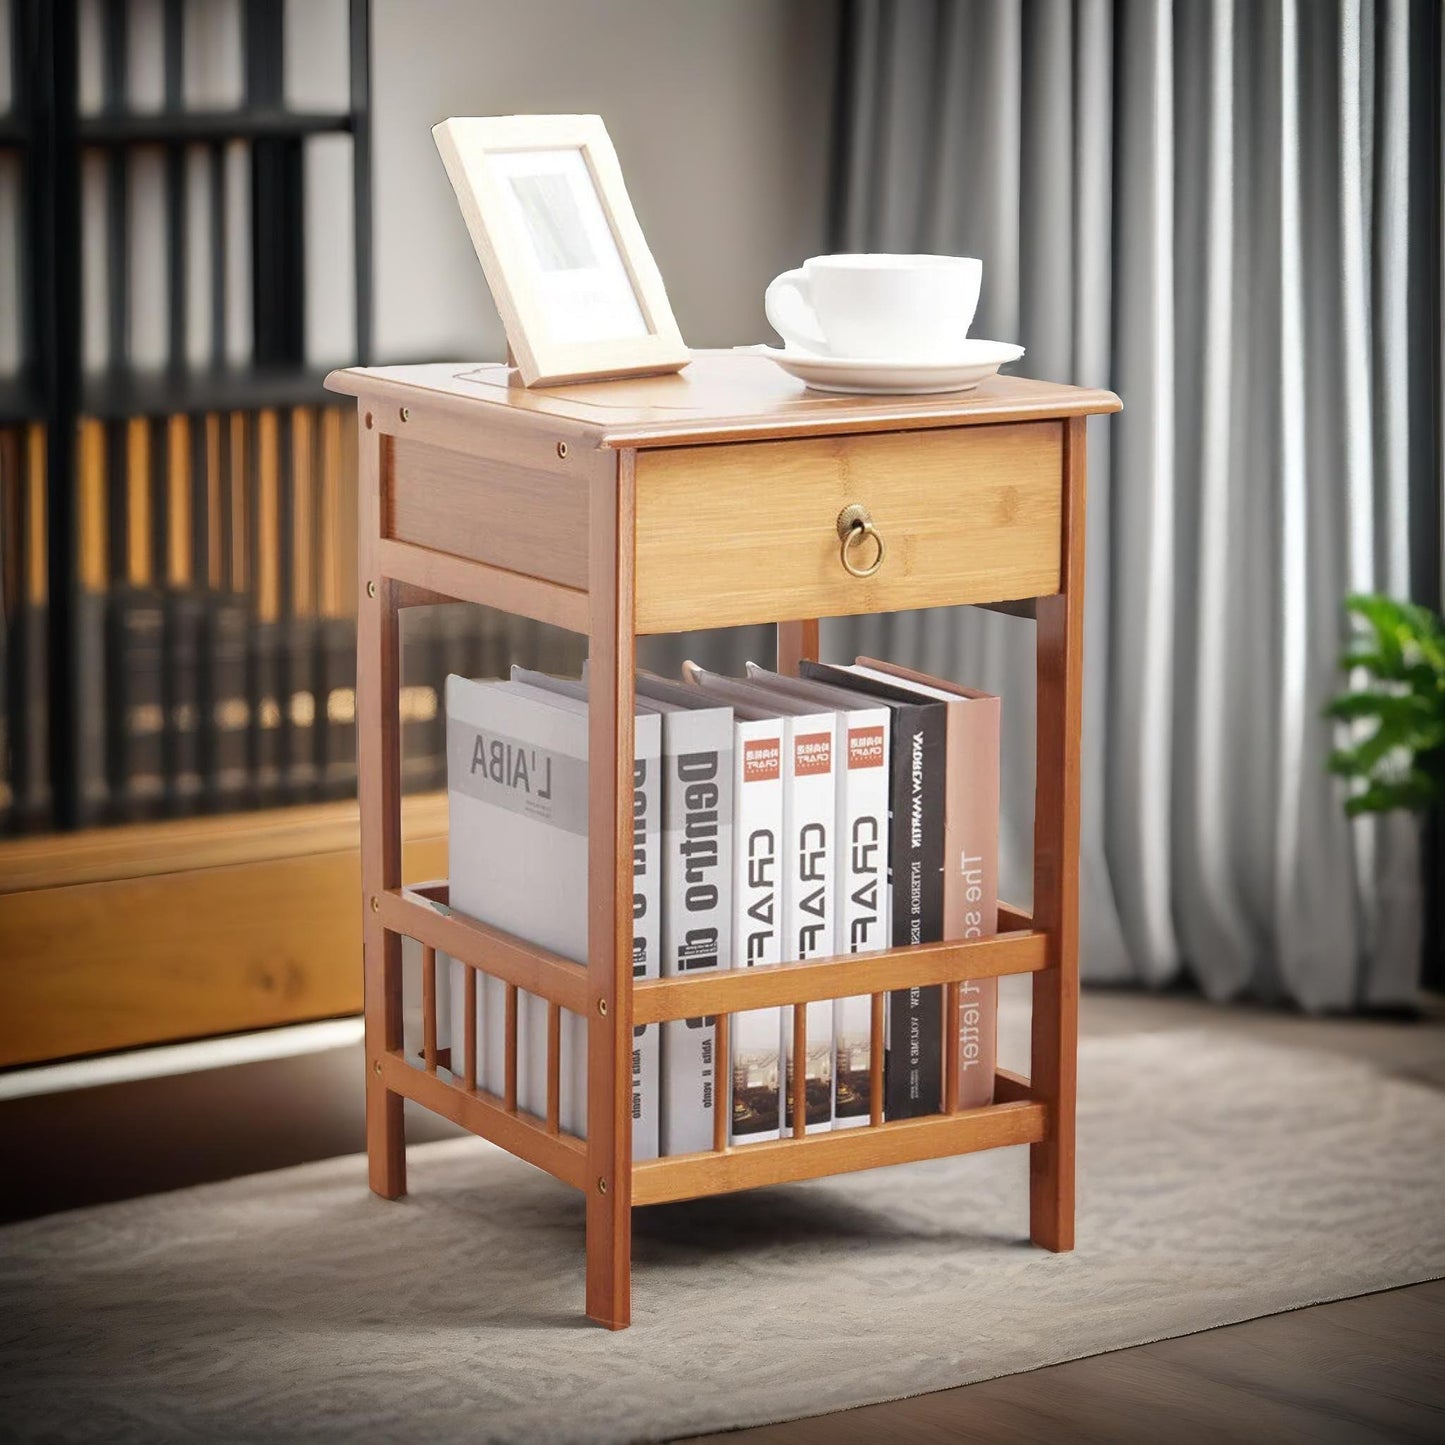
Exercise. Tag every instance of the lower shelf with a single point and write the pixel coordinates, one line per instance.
(1016, 1118)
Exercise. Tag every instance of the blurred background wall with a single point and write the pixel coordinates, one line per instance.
(721, 115)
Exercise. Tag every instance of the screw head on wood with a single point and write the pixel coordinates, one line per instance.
(371, 589)
(602, 1007)
(562, 450)
(375, 904)
(406, 413)
(602, 1186)
(368, 421)
(376, 1068)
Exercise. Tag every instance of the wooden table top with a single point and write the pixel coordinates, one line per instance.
(720, 396)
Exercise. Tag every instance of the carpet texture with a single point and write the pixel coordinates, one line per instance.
(1220, 1179)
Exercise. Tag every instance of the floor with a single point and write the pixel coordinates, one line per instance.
(1371, 1368)
(1361, 1369)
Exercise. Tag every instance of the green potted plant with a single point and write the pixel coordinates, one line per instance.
(1396, 755)
(1399, 762)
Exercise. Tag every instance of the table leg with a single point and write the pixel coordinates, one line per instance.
(1060, 635)
(612, 653)
(379, 795)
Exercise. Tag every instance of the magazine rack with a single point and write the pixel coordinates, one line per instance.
(712, 498)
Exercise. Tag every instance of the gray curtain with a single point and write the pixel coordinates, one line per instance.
(1229, 214)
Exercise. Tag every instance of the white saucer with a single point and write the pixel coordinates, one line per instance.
(975, 361)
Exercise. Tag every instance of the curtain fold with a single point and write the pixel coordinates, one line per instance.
(1208, 207)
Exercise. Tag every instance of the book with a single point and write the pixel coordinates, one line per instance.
(646, 897)
(970, 875)
(697, 810)
(517, 848)
(863, 901)
(809, 851)
(755, 1062)
(913, 1076)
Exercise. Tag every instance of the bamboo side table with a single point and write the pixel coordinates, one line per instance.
(709, 499)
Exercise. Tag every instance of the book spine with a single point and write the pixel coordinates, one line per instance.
(646, 938)
(863, 899)
(265, 685)
(810, 821)
(184, 630)
(423, 759)
(697, 853)
(970, 883)
(225, 705)
(756, 1064)
(136, 751)
(915, 1015)
(302, 686)
(336, 708)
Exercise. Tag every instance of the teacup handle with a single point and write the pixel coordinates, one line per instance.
(790, 313)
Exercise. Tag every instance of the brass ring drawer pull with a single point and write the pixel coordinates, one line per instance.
(855, 526)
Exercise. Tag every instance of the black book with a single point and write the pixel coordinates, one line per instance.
(224, 740)
(913, 1076)
(92, 767)
(135, 747)
(265, 686)
(336, 707)
(185, 629)
(300, 776)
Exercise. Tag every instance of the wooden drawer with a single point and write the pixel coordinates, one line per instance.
(747, 532)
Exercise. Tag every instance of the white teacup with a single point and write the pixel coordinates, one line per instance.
(880, 307)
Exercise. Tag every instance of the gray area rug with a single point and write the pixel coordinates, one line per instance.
(1220, 1179)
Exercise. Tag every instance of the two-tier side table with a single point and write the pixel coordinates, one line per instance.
(712, 498)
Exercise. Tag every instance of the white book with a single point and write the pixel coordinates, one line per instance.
(809, 890)
(864, 899)
(756, 1065)
(697, 801)
(517, 852)
(646, 897)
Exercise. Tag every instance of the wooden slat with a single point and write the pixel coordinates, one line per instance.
(554, 1068)
(509, 1052)
(770, 985)
(950, 1048)
(796, 641)
(469, 1029)
(781, 1161)
(548, 975)
(1009, 1087)
(799, 1077)
(560, 1155)
(723, 1095)
(1013, 920)
(463, 581)
(876, 1055)
(429, 1006)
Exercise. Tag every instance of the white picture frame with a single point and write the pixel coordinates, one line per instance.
(579, 294)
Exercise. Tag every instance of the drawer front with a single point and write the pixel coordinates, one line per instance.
(747, 533)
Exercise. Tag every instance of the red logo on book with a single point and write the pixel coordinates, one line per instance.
(865, 747)
(761, 760)
(812, 753)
